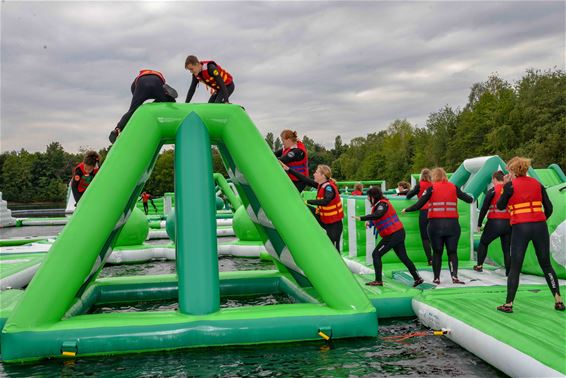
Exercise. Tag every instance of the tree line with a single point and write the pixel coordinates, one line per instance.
(527, 117)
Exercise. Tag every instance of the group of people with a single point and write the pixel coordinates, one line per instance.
(517, 207)
(151, 85)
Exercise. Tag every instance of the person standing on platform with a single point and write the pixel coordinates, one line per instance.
(497, 225)
(294, 155)
(443, 227)
(423, 184)
(530, 207)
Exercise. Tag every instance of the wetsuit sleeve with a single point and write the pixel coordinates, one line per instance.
(192, 89)
(278, 153)
(212, 71)
(75, 185)
(329, 195)
(505, 196)
(380, 211)
(485, 206)
(546, 203)
(303, 178)
(296, 154)
(413, 192)
(464, 196)
(421, 202)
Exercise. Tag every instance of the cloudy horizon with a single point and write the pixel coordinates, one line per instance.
(321, 68)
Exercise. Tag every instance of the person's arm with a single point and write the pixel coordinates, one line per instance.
(296, 154)
(421, 202)
(505, 196)
(413, 192)
(380, 211)
(546, 203)
(464, 196)
(278, 153)
(485, 206)
(192, 89)
(213, 71)
(303, 178)
(329, 195)
(75, 185)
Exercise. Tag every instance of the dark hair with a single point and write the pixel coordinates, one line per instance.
(289, 134)
(404, 184)
(91, 158)
(375, 194)
(499, 175)
(191, 59)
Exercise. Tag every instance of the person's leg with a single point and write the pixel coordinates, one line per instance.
(381, 249)
(451, 241)
(437, 244)
(213, 98)
(334, 232)
(153, 204)
(489, 234)
(401, 252)
(423, 224)
(520, 238)
(506, 247)
(145, 208)
(221, 99)
(142, 92)
(541, 242)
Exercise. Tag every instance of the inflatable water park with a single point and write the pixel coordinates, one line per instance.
(49, 284)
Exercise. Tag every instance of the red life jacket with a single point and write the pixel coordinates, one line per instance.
(525, 205)
(301, 166)
(150, 72)
(145, 197)
(357, 193)
(444, 201)
(84, 179)
(332, 212)
(389, 222)
(494, 212)
(423, 185)
(208, 80)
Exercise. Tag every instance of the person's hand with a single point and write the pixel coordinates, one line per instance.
(479, 229)
(508, 177)
(404, 211)
(283, 165)
(356, 217)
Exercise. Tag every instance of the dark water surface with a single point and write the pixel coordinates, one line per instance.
(419, 356)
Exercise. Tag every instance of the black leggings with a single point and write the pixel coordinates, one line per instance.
(423, 224)
(496, 228)
(395, 241)
(334, 232)
(218, 97)
(444, 232)
(521, 235)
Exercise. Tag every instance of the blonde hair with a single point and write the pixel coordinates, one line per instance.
(289, 134)
(519, 166)
(425, 175)
(439, 174)
(325, 170)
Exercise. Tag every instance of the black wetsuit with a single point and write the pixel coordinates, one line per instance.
(220, 96)
(296, 154)
(494, 228)
(521, 235)
(395, 241)
(333, 230)
(423, 224)
(80, 182)
(443, 232)
(146, 87)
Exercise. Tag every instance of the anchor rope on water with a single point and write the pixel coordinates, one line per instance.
(397, 338)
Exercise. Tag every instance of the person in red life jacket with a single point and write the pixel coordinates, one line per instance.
(403, 188)
(217, 80)
(530, 207)
(386, 223)
(497, 225)
(145, 197)
(294, 155)
(443, 227)
(147, 85)
(83, 174)
(328, 203)
(418, 190)
(358, 189)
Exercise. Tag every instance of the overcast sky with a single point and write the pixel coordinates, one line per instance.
(321, 68)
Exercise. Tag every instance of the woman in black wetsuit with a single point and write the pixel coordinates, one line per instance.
(423, 184)
(443, 227)
(328, 202)
(497, 225)
(387, 224)
(525, 198)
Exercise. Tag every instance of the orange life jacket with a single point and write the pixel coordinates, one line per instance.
(332, 212)
(444, 201)
(389, 222)
(209, 80)
(150, 72)
(494, 212)
(525, 205)
(423, 185)
(301, 166)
